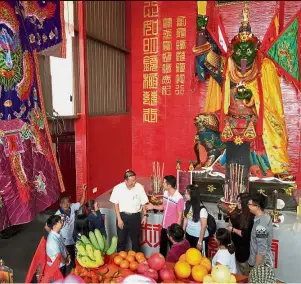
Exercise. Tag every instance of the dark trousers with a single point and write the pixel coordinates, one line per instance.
(164, 242)
(66, 270)
(71, 251)
(193, 241)
(132, 223)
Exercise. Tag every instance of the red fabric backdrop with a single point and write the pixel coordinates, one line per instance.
(171, 137)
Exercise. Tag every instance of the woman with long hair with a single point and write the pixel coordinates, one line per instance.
(195, 219)
(241, 223)
(81, 226)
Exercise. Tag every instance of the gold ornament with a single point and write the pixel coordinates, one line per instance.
(191, 167)
(211, 188)
(289, 190)
(238, 140)
(262, 191)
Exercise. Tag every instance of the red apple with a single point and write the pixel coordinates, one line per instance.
(156, 261)
(167, 274)
(151, 273)
(142, 267)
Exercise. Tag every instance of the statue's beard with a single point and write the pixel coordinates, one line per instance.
(243, 67)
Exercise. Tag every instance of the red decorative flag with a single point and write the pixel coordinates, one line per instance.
(271, 33)
(285, 51)
(219, 36)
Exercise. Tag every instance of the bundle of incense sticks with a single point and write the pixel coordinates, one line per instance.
(157, 178)
(236, 183)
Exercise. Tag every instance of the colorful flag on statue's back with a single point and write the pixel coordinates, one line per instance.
(285, 51)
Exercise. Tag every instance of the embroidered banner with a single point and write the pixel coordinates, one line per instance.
(30, 179)
(285, 51)
(44, 26)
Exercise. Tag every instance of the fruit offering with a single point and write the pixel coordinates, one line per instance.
(129, 259)
(155, 268)
(222, 274)
(193, 265)
(90, 251)
(200, 272)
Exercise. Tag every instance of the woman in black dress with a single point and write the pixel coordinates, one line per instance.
(241, 223)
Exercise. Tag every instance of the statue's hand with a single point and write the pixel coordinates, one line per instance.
(202, 22)
(245, 95)
(248, 94)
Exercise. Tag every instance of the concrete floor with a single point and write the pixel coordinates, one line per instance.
(17, 251)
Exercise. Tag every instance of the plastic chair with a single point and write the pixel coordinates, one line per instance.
(52, 272)
(38, 263)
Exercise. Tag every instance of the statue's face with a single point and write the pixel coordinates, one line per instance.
(201, 22)
(244, 50)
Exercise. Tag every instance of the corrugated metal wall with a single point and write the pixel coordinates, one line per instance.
(45, 76)
(106, 64)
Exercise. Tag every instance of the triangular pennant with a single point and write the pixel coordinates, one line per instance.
(221, 33)
(271, 33)
(227, 132)
(250, 132)
(285, 51)
(219, 37)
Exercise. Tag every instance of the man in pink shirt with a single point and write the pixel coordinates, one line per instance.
(173, 207)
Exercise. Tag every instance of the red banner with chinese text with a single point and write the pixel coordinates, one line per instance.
(165, 97)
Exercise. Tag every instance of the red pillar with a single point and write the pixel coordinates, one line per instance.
(81, 124)
(281, 15)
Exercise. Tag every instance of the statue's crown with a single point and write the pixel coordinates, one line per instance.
(245, 31)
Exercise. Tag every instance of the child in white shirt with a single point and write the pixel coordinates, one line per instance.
(225, 254)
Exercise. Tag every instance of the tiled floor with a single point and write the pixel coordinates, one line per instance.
(18, 250)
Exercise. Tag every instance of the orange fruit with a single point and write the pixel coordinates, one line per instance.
(132, 253)
(118, 259)
(139, 255)
(198, 272)
(130, 258)
(133, 265)
(206, 262)
(193, 256)
(182, 269)
(182, 257)
(123, 254)
(140, 260)
(124, 264)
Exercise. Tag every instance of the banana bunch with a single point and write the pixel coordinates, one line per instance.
(90, 250)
